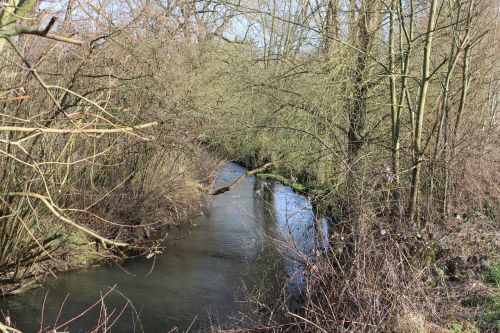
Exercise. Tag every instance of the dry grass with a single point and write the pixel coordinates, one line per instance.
(163, 194)
(392, 279)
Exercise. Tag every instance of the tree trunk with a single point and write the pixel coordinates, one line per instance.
(424, 85)
(366, 24)
(395, 114)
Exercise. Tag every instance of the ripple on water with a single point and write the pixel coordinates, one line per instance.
(205, 271)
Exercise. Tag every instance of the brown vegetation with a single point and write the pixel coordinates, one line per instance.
(99, 138)
(386, 109)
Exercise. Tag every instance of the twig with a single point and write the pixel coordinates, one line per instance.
(76, 131)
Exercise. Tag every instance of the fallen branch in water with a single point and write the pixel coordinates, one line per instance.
(240, 178)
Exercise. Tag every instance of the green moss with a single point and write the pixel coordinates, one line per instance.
(492, 311)
(79, 246)
(492, 274)
(285, 181)
(272, 176)
(463, 327)
(86, 257)
(82, 248)
(299, 187)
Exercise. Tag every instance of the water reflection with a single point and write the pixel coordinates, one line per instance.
(241, 240)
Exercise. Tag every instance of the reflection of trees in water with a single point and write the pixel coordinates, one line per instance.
(268, 272)
(264, 199)
(291, 228)
(289, 223)
(263, 210)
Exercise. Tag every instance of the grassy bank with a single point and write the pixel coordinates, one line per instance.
(297, 187)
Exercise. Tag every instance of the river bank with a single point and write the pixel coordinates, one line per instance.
(209, 273)
(235, 236)
(141, 213)
(76, 250)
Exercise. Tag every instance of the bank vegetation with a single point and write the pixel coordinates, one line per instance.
(385, 110)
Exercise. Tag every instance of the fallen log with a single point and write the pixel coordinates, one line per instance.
(240, 178)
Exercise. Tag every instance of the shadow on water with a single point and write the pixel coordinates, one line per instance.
(249, 236)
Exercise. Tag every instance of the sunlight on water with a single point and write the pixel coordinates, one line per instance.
(258, 231)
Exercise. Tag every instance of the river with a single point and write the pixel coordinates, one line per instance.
(248, 239)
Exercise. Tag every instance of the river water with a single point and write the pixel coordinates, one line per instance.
(252, 237)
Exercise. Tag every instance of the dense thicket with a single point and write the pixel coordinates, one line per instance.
(100, 116)
(385, 109)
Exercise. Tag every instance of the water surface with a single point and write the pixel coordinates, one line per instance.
(199, 278)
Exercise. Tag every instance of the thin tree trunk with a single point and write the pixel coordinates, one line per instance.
(444, 112)
(424, 85)
(407, 32)
(367, 22)
(332, 28)
(395, 115)
(463, 96)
